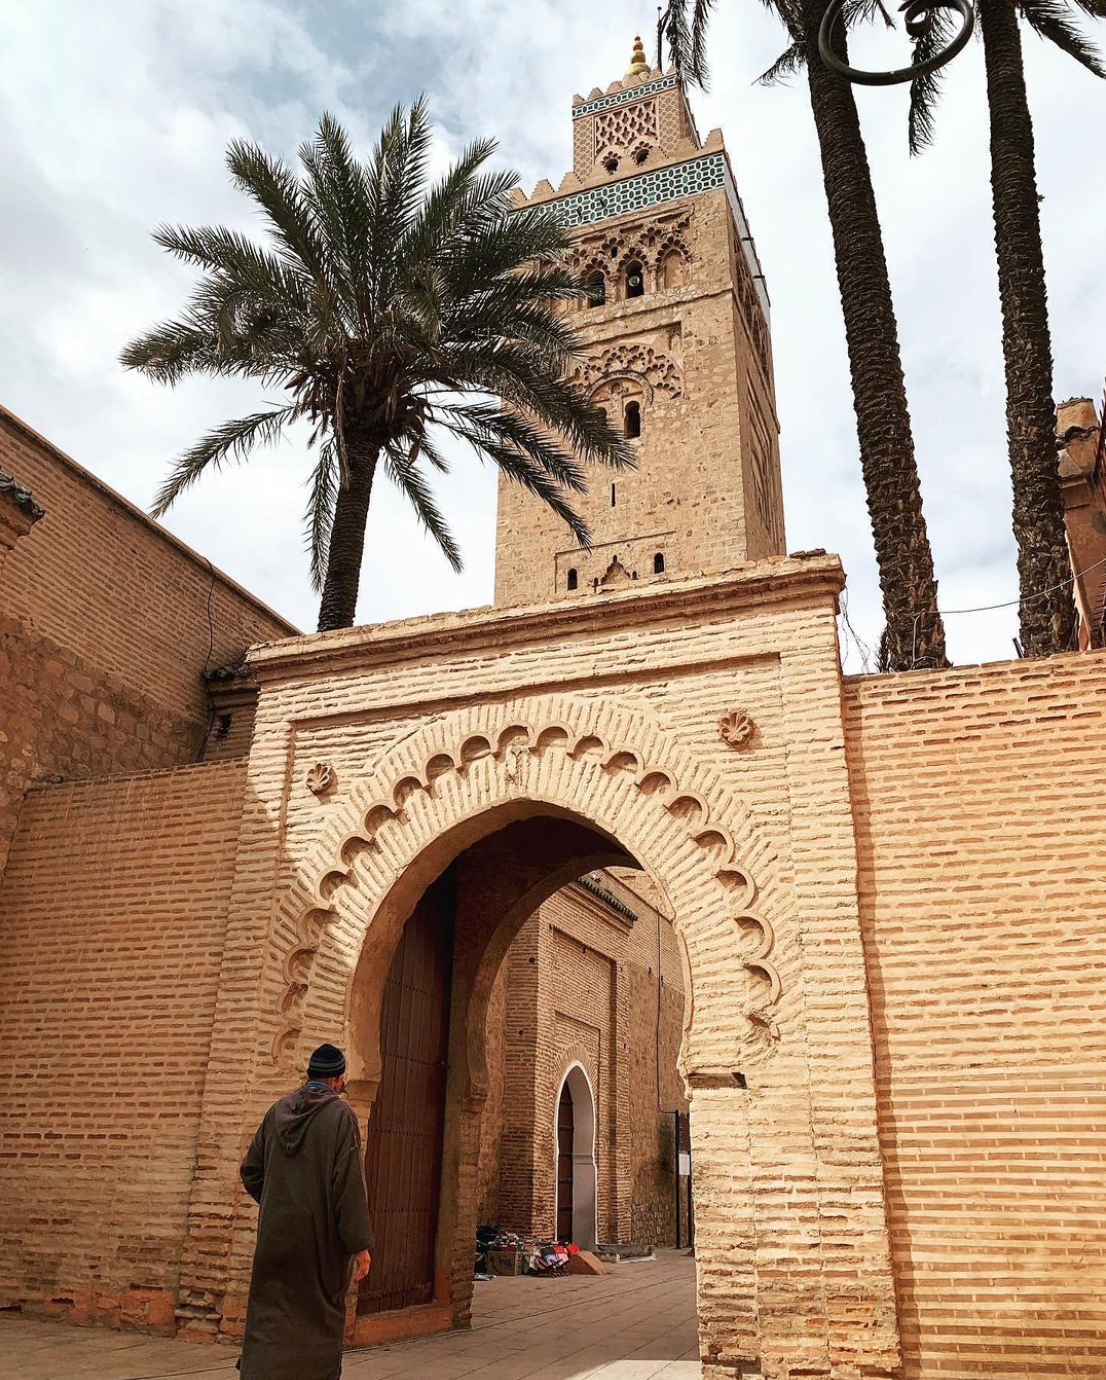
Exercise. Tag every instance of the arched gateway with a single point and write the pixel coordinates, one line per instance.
(707, 753)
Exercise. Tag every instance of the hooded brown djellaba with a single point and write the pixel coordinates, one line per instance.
(304, 1167)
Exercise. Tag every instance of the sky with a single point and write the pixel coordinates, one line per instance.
(117, 117)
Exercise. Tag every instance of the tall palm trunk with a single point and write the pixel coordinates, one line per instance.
(914, 635)
(1047, 620)
(338, 607)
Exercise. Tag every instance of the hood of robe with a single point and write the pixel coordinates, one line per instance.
(295, 1113)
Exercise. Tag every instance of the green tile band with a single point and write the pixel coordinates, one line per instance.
(635, 93)
(638, 193)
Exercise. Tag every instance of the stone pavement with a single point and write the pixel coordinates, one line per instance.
(638, 1323)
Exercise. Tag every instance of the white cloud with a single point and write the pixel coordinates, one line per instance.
(118, 117)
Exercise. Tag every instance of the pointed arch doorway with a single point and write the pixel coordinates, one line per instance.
(576, 1169)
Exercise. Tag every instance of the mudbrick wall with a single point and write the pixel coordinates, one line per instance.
(107, 624)
(113, 912)
(977, 795)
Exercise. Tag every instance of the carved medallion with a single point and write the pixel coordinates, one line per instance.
(321, 779)
(737, 729)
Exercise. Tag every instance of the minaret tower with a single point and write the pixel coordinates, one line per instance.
(678, 351)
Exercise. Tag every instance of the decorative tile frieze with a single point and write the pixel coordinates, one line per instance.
(703, 174)
(633, 93)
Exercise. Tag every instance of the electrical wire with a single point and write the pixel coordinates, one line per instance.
(1029, 599)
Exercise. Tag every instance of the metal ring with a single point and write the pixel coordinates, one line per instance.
(914, 26)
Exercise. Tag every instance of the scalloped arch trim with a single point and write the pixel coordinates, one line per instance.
(608, 764)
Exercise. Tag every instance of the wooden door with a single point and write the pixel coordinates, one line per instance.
(566, 1131)
(403, 1154)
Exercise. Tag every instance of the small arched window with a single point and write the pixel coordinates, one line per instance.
(613, 496)
(635, 280)
(633, 420)
(658, 563)
(611, 163)
(641, 156)
(597, 289)
(573, 579)
(673, 269)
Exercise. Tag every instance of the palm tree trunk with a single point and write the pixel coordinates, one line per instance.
(914, 635)
(1047, 619)
(338, 607)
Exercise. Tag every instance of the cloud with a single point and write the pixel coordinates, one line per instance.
(118, 117)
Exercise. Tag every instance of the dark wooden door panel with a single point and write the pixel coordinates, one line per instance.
(403, 1154)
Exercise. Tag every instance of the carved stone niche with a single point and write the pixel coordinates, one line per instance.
(736, 729)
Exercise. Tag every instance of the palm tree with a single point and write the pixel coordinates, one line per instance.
(390, 312)
(914, 635)
(1047, 612)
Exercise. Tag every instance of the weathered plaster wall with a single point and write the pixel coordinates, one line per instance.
(112, 918)
(977, 795)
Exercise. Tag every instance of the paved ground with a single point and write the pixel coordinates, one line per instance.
(638, 1323)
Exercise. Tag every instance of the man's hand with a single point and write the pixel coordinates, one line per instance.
(361, 1262)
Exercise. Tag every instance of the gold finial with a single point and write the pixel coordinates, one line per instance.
(638, 63)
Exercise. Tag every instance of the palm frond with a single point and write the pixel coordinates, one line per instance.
(790, 61)
(1096, 9)
(169, 351)
(319, 514)
(336, 189)
(275, 188)
(485, 421)
(1052, 19)
(686, 35)
(925, 91)
(523, 470)
(402, 468)
(228, 441)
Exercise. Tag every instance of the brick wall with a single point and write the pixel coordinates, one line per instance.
(978, 802)
(106, 625)
(112, 918)
(574, 967)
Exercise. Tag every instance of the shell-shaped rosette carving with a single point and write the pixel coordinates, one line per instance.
(736, 729)
(321, 779)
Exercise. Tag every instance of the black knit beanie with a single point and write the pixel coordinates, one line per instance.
(327, 1062)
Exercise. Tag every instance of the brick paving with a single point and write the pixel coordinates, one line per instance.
(638, 1323)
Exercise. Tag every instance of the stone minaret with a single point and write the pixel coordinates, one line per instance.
(678, 350)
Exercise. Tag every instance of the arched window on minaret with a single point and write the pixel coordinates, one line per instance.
(673, 269)
(573, 579)
(597, 289)
(658, 563)
(635, 279)
(633, 420)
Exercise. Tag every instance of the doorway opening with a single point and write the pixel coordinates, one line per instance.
(527, 1024)
(576, 1169)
